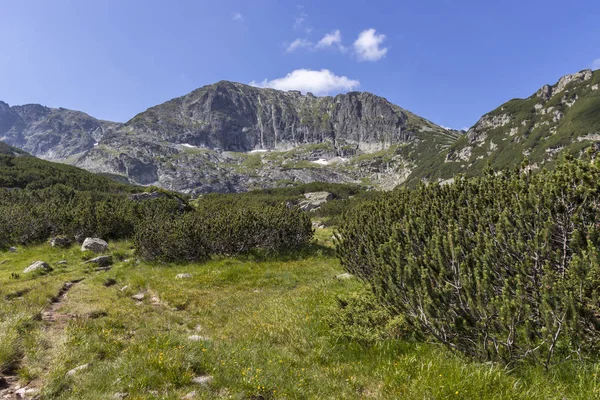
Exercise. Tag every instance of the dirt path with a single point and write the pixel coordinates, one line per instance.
(54, 321)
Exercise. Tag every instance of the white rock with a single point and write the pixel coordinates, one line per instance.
(202, 380)
(198, 338)
(183, 276)
(139, 296)
(344, 276)
(37, 266)
(78, 369)
(94, 244)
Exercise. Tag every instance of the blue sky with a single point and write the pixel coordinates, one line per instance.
(448, 61)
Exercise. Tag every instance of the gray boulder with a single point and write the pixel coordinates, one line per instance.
(101, 261)
(314, 200)
(38, 266)
(60, 241)
(94, 244)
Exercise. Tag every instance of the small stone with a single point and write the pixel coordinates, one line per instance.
(38, 266)
(344, 276)
(62, 262)
(124, 288)
(120, 395)
(138, 297)
(77, 369)
(190, 395)
(198, 338)
(60, 241)
(183, 276)
(101, 261)
(12, 249)
(202, 380)
(94, 244)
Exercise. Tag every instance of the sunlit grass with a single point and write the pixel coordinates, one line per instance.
(260, 332)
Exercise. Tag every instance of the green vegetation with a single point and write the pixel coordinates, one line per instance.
(503, 268)
(265, 328)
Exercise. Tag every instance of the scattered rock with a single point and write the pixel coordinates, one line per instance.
(318, 225)
(124, 288)
(101, 261)
(202, 380)
(198, 338)
(23, 393)
(138, 197)
(154, 300)
(120, 395)
(344, 276)
(94, 244)
(183, 276)
(78, 369)
(138, 297)
(314, 200)
(12, 249)
(62, 262)
(38, 266)
(190, 395)
(60, 241)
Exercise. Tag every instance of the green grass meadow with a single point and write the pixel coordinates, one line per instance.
(256, 325)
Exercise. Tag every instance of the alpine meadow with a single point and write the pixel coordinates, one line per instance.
(281, 228)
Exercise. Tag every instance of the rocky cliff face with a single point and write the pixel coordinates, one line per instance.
(50, 133)
(236, 117)
(234, 137)
(559, 118)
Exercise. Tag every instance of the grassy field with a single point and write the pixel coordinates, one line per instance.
(254, 328)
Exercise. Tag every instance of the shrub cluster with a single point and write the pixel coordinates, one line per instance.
(39, 200)
(218, 228)
(504, 267)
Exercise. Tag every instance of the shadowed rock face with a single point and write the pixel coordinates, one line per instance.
(203, 142)
(236, 117)
(50, 133)
(199, 142)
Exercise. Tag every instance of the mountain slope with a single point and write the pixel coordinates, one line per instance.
(50, 133)
(557, 118)
(233, 137)
(21, 170)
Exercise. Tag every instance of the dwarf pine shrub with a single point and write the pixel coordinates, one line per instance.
(504, 267)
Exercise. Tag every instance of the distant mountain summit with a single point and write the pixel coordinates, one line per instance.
(234, 137)
(50, 133)
(229, 137)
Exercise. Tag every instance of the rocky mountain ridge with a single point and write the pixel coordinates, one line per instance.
(234, 137)
(559, 118)
(230, 137)
(50, 133)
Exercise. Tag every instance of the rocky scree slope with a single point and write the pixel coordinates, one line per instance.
(556, 119)
(230, 137)
(50, 133)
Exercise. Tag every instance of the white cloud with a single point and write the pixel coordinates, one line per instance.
(238, 17)
(333, 38)
(367, 46)
(318, 82)
(299, 44)
(596, 64)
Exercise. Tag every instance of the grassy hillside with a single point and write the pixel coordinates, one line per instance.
(557, 119)
(20, 170)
